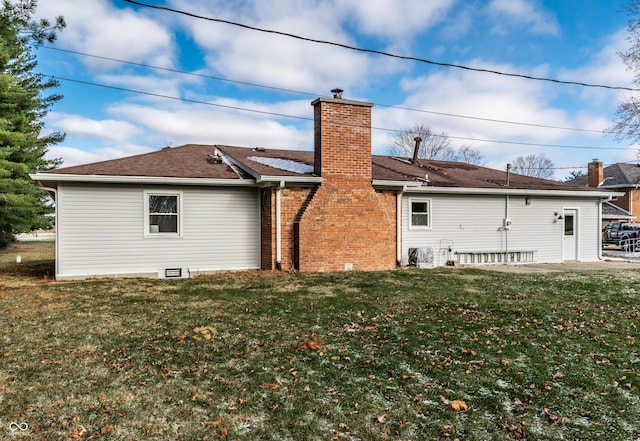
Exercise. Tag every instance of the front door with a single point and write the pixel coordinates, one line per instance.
(570, 235)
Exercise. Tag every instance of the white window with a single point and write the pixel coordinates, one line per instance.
(163, 212)
(420, 213)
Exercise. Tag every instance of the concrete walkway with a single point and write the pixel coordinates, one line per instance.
(603, 265)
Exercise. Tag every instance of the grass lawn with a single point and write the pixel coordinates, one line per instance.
(412, 355)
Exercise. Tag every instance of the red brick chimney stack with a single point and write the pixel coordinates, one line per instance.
(342, 138)
(345, 214)
(595, 173)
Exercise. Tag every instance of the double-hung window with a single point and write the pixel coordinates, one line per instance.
(420, 213)
(163, 214)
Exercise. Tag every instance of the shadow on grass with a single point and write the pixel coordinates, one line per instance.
(40, 269)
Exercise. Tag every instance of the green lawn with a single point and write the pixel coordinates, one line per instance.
(353, 356)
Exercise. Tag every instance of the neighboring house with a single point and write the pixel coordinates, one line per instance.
(188, 210)
(621, 177)
(613, 213)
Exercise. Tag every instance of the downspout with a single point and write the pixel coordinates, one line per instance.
(506, 227)
(399, 227)
(279, 227)
(600, 256)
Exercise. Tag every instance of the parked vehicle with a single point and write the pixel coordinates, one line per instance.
(626, 235)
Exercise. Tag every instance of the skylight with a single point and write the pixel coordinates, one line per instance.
(283, 164)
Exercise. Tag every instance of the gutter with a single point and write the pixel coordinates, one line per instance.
(111, 179)
(512, 192)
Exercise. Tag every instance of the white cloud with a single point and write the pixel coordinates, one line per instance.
(391, 19)
(483, 96)
(79, 126)
(518, 13)
(603, 67)
(282, 61)
(181, 123)
(98, 27)
(75, 156)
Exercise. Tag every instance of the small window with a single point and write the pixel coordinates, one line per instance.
(568, 225)
(162, 214)
(420, 213)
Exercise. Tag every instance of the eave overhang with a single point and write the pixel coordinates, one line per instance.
(413, 187)
(50, 179)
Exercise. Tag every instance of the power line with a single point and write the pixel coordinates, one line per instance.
(280, 89)
(263, 112)
(388, 54)
(168, 69)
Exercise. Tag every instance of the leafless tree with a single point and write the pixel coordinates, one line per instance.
(537, 166)
(433, 146)
(627, 117)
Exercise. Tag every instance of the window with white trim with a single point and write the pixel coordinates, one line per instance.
(163, 214)
(420, 213)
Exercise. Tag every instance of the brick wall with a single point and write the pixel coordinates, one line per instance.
(347, 225)
(291, 199)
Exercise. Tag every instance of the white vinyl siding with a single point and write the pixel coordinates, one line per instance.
(475, 223)
(101, 231)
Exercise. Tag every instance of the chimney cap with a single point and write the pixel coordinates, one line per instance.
(337, 93)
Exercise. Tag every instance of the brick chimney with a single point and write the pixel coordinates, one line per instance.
(342, 138)
(595, 173)
(345, 223)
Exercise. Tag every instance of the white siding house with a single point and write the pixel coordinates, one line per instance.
(178, 212)
(104, 230)
(486, 228)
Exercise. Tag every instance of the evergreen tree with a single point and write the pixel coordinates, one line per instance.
(23, 105)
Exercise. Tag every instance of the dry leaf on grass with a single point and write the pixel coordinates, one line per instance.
(312, 343)
(456, 405)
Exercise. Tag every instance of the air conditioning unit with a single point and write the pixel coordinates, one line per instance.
(421, 257)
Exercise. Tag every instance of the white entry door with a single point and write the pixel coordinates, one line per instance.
(570, 235)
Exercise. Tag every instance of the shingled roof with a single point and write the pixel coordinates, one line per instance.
(188, 161)
(235, 163)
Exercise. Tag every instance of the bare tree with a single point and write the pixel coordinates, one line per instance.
(537, 166)
(627, 117)
(468, 154)
(433, 146)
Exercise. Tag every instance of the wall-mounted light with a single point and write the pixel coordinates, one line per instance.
(557, 216)
(527, 200)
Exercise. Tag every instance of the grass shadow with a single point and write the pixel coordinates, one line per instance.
(43, 269)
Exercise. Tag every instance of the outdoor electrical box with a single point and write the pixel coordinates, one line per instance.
(506, 223)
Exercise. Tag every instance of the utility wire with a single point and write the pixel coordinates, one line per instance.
(373, 51)
(263, 112)
(280, 89)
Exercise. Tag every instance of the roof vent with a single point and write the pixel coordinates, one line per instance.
(259, 149)
(337, 93)
(214, 158)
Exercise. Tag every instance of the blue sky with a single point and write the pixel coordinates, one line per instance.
(224, 65)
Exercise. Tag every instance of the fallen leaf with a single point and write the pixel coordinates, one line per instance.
(458, 406)
(381, 418)
(107, 429)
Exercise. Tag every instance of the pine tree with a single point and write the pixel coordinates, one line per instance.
(23, 105)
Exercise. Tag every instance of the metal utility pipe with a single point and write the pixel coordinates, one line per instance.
(416, 150)
(399, 228)
(279, 227)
